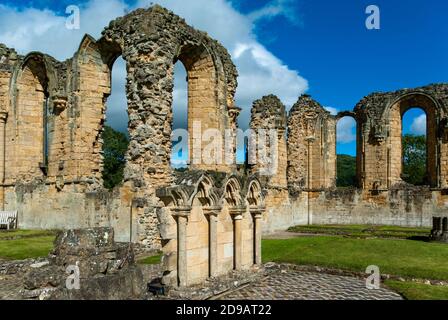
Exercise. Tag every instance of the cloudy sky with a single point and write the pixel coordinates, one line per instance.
(284, 47)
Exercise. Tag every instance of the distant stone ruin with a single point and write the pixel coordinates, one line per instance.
(209, 219)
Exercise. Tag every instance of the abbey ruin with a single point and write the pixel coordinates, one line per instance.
(209, 219)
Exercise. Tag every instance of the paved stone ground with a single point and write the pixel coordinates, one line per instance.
(298, 285)
(282, 285)
(10, 286)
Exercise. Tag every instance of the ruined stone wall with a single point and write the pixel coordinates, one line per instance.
(381, 196)
(68, 101)
(208, 220)
(268, 125)
(412, 207)
(311, 146)
(380, 117)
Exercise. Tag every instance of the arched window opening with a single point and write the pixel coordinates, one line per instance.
(33, 114)
(346, 145)
(414, 147)
(179, 150)
(115, 135)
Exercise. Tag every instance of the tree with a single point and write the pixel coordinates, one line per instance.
(414, 159)
(115, 144)
(346, 166)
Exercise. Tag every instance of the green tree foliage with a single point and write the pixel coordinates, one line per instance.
(114, 150)
(414, 159)
(346, 166)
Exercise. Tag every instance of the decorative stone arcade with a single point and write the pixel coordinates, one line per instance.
(210, 225)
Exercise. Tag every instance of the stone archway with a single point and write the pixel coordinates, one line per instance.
(29, 116)
(151, 54)
(395, 114)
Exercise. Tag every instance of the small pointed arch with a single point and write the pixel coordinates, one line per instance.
(89, 51)
(34, 82)
(204, 192)
(173, 196)
(254, 195)
(86, 42)
(42, 67)
(232, 192)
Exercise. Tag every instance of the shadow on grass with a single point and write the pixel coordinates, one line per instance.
(419, 238)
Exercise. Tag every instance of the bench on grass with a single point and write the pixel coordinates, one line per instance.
(9, 219)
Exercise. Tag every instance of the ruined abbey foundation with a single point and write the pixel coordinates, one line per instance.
(209, 219)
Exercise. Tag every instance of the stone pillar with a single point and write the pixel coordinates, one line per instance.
(310, 140)
(182, 221)
(445, 226)
(237, 214)
(436, 226)
(213, 213)
(257, 214)
(3, 116)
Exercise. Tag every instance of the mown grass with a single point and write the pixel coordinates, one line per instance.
(418, 291)
(156, 259)
(24, 244)
(406, 258)
(365, 231)
(19, 234)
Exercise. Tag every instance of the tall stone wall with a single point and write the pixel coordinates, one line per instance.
(55, 113)
(311, 146)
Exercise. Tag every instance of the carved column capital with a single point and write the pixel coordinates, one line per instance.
(257, 212)
(237, 212)
(234, 112)
(3, 116)
(59, 103)
(212, 211)
(181, 211)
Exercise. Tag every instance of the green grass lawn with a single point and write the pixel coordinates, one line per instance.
(151, 260)
(406, 258)
(365, 231)
(23, 244)
(418, 291)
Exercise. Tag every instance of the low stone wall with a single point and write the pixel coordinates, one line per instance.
(408, 207)
(43, 206)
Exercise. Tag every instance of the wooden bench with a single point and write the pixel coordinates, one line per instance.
(9, 219)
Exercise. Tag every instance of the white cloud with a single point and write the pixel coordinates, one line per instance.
(260, 71)
(332, 110)
(277, 8)
(32, 29)
(418, 126)
(346, 130)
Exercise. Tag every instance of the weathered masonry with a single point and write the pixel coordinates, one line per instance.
(209, 219)
(52, 116)
(381, 195)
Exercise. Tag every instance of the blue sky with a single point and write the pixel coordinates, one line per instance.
(285, 47)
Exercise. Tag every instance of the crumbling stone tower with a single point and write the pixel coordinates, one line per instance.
(311, 146)
(268, 124)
